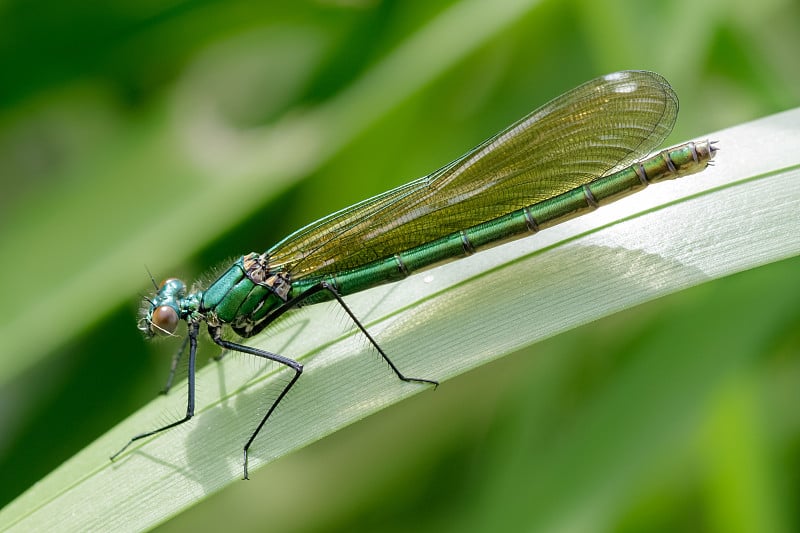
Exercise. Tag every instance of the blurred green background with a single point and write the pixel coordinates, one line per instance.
(178, 134)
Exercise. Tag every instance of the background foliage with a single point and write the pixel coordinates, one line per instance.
(137, 133)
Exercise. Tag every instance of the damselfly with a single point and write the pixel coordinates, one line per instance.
(581, 150)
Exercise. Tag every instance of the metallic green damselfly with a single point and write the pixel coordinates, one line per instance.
(581, 150)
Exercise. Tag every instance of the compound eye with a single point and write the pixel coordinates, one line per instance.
(164, 320)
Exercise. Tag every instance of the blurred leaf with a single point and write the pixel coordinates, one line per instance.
(203, 173)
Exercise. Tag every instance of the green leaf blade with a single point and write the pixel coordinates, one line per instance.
(732, 217)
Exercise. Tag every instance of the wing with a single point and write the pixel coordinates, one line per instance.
(597, 128)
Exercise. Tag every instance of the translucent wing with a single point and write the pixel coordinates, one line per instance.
(597, 128)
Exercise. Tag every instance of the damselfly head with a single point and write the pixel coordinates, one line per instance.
(162, 313)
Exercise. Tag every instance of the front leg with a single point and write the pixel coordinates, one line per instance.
(193, 330)
(176, 359)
